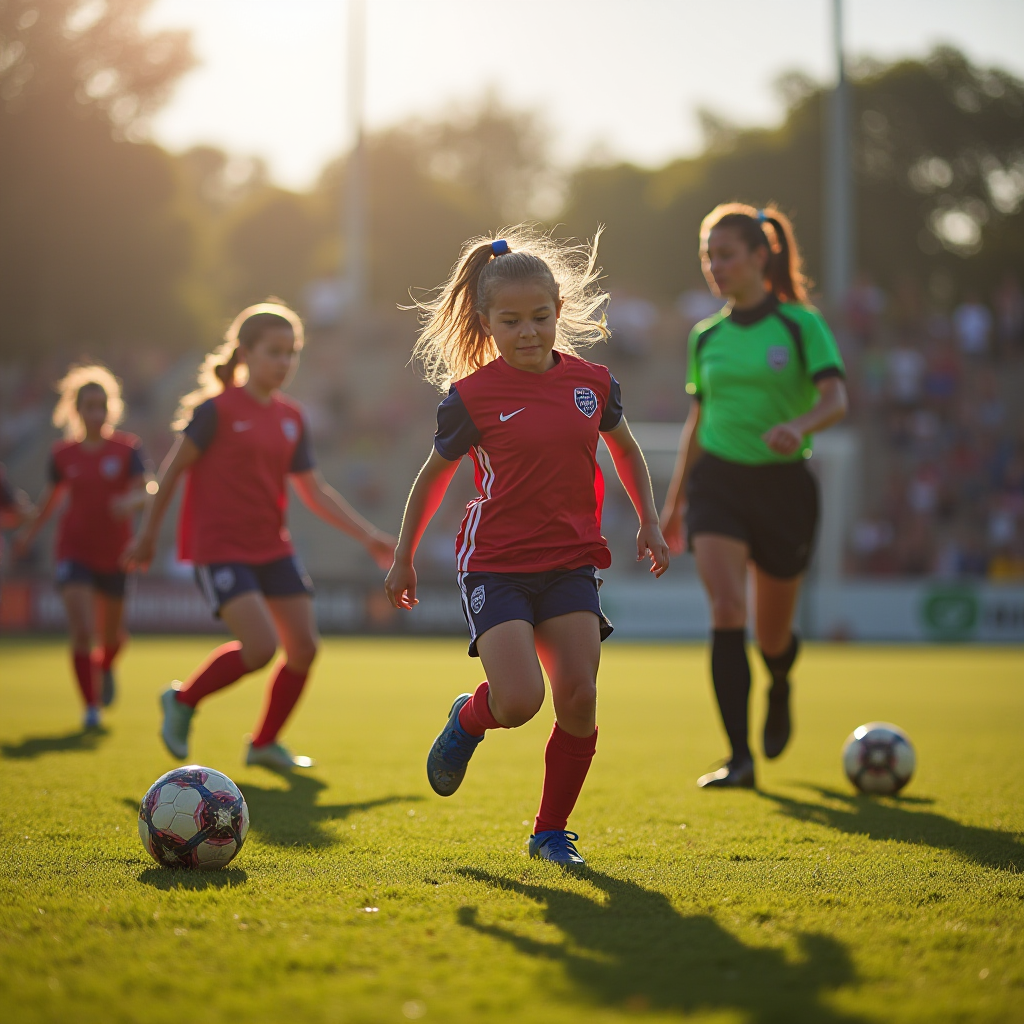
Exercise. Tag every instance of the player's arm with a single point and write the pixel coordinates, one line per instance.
(424, 500)
(53, 494)
(786, 438)
(139, 491)
(675, 500)
(632, 469)
(326, 503)
(142, 548)
(15, 507)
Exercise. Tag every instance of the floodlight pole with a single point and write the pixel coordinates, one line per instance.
(838, 220)
(354, 262)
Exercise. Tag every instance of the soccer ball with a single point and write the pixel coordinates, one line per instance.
(193, 817)
(879, 758)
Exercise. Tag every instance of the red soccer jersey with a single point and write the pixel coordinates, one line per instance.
(533, 441)
(235, 497)
(89, 532)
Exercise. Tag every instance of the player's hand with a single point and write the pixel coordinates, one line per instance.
(400, 586)
(783, 439)
(673, 529)
(382, 548)
(139, 553)
(122, 505)
(649, 541)
(22, 543)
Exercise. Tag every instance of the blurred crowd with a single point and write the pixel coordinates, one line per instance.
(934, 385)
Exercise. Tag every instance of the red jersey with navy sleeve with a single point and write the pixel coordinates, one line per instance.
(236, 493)
(533, 441)
(89, 531)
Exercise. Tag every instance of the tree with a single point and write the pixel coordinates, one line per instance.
(94, 251)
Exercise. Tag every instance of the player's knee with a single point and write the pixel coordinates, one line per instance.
(729, 611)
(81, 641)
(302, 655)
(580, 701)
(257, 653)
(518, 709)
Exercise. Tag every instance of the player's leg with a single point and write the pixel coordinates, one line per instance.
(296, 625)
(775, 602)
(78, 601)
(249, 619)
(110, 630)
(722, 565)
(570, 650)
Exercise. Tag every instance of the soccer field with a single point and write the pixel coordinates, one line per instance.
(361, 896)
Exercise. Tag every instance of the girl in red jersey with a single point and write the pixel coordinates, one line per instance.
(501, 338)
(241, 442)
(100, 472)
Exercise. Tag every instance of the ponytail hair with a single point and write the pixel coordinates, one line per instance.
(452, 343)
(772, 229)
(222, 369)
(66, 416)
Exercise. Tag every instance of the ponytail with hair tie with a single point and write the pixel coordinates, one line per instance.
(226, 371)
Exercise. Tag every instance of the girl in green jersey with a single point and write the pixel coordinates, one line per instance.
(764, 375)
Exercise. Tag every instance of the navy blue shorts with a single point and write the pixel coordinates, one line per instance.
(490, 598)
(221, 582)
(110, 583)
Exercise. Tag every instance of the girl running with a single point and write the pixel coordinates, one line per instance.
(501, 338)
(100, 473)
(764, 375)
(240, 442)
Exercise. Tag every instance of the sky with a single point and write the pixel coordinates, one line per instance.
(615, 78)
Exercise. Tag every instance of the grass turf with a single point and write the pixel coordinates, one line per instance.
(360, 896)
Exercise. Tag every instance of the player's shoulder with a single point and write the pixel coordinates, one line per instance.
(123, 439)
(64, 448)
(709, 323)
(584, 367)
(286, 404)
(803, 313)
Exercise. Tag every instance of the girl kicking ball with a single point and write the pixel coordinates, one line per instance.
(99, 472)
(764, 375)
(241, 442)
(500, 338)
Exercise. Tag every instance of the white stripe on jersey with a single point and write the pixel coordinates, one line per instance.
(473, 519)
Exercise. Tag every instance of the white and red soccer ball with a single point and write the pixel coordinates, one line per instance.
(193, 817)
(879, 758)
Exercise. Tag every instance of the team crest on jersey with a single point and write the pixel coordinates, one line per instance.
(778, 357)
(110, 467)
(477, 598)
(586, 401)
(291, 430)
(224, 579)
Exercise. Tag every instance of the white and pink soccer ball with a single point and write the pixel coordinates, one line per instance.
(193, 817)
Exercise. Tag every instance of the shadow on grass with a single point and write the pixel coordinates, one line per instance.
(892, 818)
(292, 816)
(636, 951)
(37, 746)
(177, 878)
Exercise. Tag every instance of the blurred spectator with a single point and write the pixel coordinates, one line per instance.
(632, 322)
(1009, 307)
(906, 369)
(972, 321)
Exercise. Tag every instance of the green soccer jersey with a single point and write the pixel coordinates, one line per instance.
(752, 369)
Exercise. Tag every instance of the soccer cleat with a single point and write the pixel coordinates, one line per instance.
(109, 691)
(451, 751)
(92, 717)
(778, 724)
(278, 757)
(557, 847)
(177, 722)
(730, 775)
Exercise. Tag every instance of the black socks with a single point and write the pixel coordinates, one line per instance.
(780, 664)
(730, 671)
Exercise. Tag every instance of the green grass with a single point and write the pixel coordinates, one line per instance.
(797, 903)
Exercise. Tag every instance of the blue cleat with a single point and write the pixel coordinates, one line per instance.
(450, 754)
(92, 718)
(557, 847)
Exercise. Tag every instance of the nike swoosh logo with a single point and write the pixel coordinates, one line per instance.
(240, 425)
(507, 416)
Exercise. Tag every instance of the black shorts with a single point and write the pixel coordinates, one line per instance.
(772, 508)
(221, 582)
(110, 583)
(490, 598)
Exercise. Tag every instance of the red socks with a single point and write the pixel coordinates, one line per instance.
(104, 656)
(475, 716)
(223, 667)
(566, 763)
(282, 695)
(85, 674)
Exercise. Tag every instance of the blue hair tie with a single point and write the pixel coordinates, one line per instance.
(761, 218)
(500, 247)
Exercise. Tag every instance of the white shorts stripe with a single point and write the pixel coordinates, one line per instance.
(466, 605)
(206, 582)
